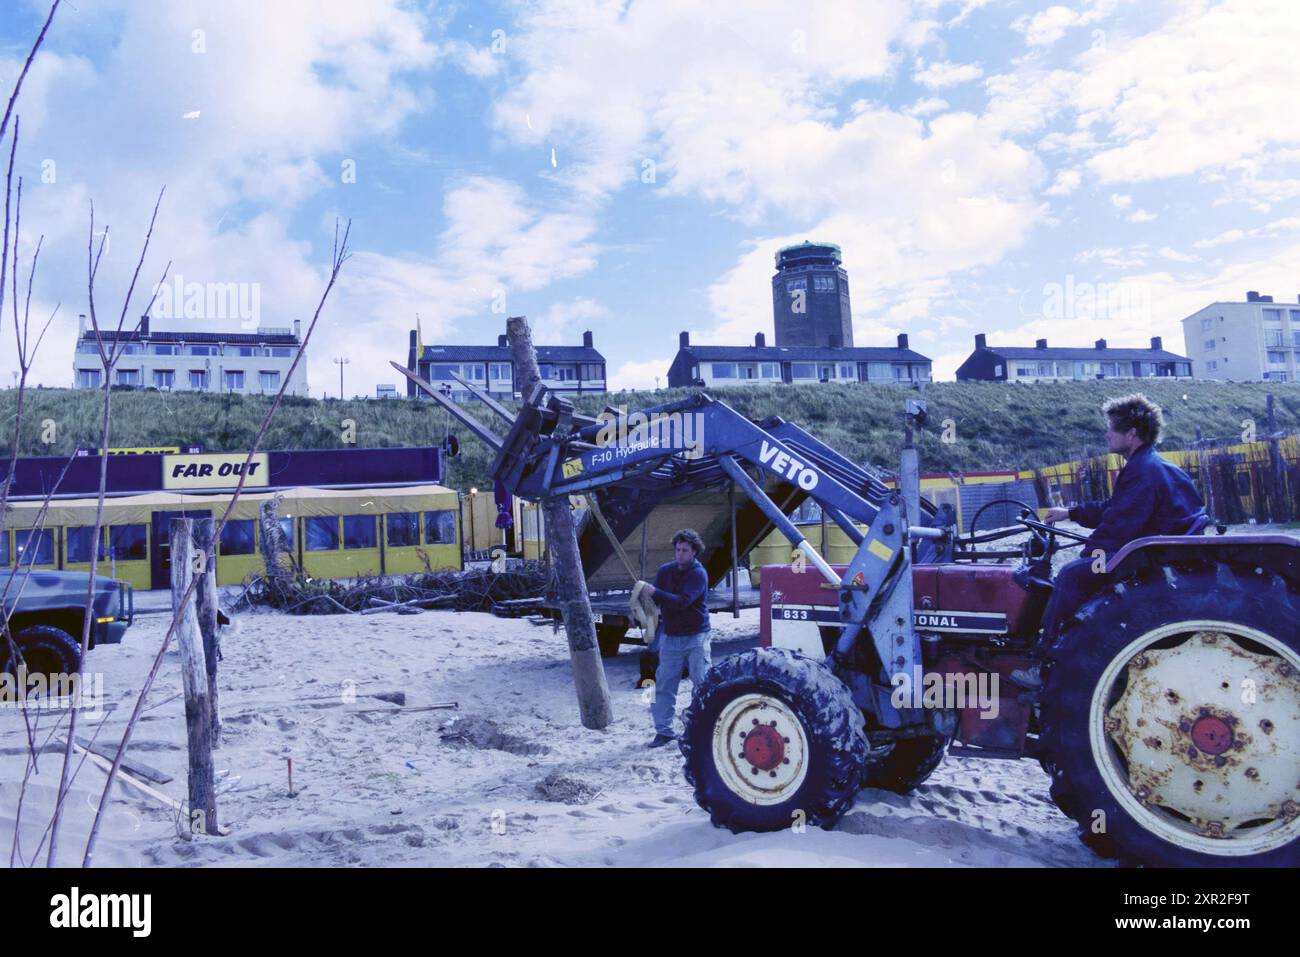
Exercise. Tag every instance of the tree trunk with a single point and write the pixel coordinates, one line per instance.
(194, 673)
(562, 543)
(205, 598)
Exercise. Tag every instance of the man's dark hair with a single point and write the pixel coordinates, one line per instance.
(691, 538)
(1136, 412)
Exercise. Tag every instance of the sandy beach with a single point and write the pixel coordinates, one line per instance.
(509, 777)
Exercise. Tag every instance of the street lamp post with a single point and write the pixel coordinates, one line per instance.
(341, 361)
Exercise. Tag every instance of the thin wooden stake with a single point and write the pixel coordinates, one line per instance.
(194, 673)
(205, 600)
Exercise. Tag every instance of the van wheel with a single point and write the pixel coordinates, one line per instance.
(46, 650)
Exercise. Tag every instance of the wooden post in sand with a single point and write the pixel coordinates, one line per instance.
(205, 599)
(562, 543)
(194, 674)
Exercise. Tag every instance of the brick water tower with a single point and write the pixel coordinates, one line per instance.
(810, 297)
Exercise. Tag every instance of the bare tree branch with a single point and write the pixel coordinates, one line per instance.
(26, 354)
(118, 345)
(4, 254)
(13, 97)
(340, 255)
(108, 359)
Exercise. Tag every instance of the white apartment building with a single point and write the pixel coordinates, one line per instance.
(1069, 363)
(1245, 341)
(247, 363)
(564, 369)
(760, 364)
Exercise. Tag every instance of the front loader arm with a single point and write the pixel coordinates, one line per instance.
(870, 596)
(715, 430)
(696, 442)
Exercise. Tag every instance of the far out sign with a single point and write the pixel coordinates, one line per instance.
(213, 470)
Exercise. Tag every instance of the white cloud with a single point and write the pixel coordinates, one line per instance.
(1066, 182)
(1044, 28)
(1276, 229)
(744, 125)
(967, 8)
(284, 92)
(1047, 26)
(943, 367)
(1025, 100)
(944, 74)
(1230, 236)
(741, 119)
(480, 62)
(1087, 255)
(685, 85)
(496, 245)
(926, 106)
(641, 374)
(1156, 303)
(920, 32)
(564, 322)
(491, 226)
(1202, 93)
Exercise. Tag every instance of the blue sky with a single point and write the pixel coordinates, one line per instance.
(630, 167)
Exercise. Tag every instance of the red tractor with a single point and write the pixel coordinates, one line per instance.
(1168, 717)
(1169, 712)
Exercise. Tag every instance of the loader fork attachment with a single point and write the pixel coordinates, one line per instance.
(640, 460)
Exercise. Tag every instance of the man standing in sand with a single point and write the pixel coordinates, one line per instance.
(679, 589)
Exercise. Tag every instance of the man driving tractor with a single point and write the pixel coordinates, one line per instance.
(1151, 497)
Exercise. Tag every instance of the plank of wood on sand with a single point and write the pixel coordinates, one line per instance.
(106, 750)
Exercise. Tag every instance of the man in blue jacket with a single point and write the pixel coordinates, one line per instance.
(1151, 497)
(679, 589)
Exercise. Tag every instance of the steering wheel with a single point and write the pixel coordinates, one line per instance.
(1040, 545)
(974, 524)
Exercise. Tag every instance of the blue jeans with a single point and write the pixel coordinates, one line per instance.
(1076, 582)
(692, 651)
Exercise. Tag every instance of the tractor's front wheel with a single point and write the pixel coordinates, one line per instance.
(773, 739)
(1171, 719)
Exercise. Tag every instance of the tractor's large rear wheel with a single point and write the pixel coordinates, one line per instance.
(773, 739)
(1171, 719)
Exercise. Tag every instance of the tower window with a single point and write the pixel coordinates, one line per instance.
(823, 283)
